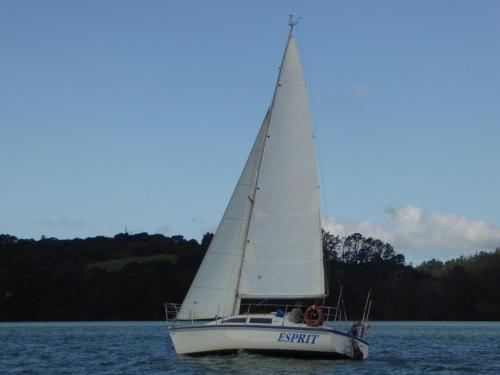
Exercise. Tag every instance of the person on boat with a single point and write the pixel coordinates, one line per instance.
(296, 315)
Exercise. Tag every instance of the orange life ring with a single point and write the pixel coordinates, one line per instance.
(319, 316)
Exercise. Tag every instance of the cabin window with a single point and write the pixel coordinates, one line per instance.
(261, 320)
(235, 320)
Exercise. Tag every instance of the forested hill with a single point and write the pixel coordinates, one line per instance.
(129, 277)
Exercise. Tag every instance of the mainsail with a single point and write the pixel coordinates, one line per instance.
(283, 256)
(268, 243)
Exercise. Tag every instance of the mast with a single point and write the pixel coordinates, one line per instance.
(292, 24)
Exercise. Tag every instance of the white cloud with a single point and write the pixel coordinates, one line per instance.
(166, 230)
(349, 95)
(356, 90)
(202, 226)
(424, 235)
(66, 223)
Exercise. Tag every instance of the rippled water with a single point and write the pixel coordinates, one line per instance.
(145, 348)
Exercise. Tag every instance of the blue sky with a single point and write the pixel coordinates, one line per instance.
(142, 114)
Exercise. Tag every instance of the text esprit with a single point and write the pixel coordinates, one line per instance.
(297, 337)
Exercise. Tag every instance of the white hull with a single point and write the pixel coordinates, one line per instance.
(280, 340)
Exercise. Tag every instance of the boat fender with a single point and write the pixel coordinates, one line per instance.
(314, 316)
(357, 329)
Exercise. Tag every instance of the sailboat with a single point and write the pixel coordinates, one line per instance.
(268, 247)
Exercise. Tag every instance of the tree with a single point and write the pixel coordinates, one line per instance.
(331, 245)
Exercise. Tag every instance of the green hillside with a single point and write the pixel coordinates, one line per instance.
(129, 277)
(114, 265)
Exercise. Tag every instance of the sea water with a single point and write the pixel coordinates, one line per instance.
(145, 348)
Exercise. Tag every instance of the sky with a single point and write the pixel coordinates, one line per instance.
(141, 115)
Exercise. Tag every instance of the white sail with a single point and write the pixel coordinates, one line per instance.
(283, 256)
(213, 291)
